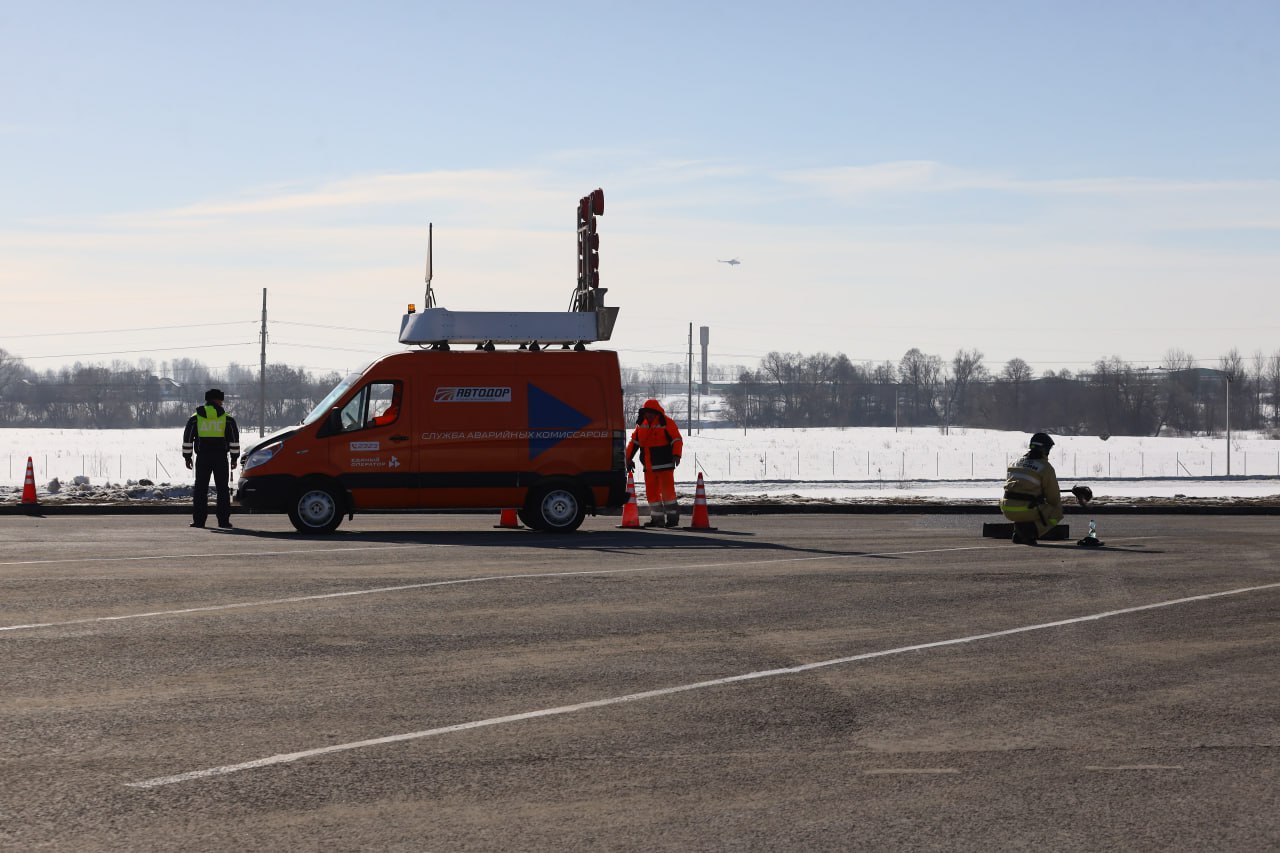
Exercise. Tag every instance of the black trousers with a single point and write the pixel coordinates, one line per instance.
(219, 466)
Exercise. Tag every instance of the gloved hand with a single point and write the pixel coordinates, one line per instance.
(235, 460)
(677, 459)
(631, 464)
(190, 464)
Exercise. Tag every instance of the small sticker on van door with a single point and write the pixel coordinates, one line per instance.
(366, 445)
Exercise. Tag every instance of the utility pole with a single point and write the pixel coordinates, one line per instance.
(688, 399)
(262, 371)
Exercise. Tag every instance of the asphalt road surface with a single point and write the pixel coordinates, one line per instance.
(797, 682)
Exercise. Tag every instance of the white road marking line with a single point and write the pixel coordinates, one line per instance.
(206, 554)
(907, 771)
(1134, 767)
(294, 599)
(289, 757)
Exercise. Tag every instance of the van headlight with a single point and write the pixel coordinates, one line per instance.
(262, 454)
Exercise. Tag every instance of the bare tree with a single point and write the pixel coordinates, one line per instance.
(966, 369)
(1017, 373)
(1257, 389)
(12, 388)
(1273, 386)
(1232, 364)
(921, 374)
(1179, 389)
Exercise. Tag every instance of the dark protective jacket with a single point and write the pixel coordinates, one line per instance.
(210, 430)
(657, 439)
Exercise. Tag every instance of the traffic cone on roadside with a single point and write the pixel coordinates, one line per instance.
(630, 512)
(508, 521)
(701, 519)
(29, 486)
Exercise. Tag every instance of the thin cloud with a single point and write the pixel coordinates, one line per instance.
(917, 176)
(503, 188)
(898, 176)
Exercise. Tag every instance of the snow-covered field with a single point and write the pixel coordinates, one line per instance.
(782, 464)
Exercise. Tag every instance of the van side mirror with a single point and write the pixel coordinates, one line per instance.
(332, 424)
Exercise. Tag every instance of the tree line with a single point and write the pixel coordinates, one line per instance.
(1112, 397)
(122, 395)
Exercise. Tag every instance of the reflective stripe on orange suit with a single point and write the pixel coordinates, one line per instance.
(659, 478)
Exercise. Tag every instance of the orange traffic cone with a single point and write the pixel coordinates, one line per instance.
(508, 521)
(701, 520)
(29, 486)
(630, 512)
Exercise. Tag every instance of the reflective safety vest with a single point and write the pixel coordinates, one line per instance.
(210, 424)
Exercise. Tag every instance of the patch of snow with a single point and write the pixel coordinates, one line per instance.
(862, 464)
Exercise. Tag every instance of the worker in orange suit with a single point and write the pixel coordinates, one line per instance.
(658, 440)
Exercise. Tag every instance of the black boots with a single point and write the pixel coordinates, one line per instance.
(1025, 533)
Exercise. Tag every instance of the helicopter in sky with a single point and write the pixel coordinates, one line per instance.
(733, 262)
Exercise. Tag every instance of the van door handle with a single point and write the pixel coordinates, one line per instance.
(399, 438)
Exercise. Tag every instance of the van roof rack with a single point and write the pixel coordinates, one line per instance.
(442, 326)
(588, 319)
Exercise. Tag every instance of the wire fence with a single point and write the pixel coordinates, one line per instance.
(100, 468)
(871, 465)
(733, 465)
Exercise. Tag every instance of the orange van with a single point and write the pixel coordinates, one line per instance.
(541, 431)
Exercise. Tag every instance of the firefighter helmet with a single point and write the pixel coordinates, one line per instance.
(1041, 440)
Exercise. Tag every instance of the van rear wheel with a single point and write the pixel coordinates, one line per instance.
(557, 508)
(316, 508)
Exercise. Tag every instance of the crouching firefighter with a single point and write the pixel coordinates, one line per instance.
(658, 439)
(1032, 500)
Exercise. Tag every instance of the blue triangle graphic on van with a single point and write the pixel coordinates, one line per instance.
(551, 421)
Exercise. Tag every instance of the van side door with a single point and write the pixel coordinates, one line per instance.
(370, 436)
(470, 430)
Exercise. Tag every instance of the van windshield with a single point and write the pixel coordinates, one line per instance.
(323, 407)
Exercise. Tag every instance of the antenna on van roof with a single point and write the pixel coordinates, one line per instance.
(588, 319)
(429, 299)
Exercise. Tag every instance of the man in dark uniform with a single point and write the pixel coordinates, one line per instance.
(212, 435)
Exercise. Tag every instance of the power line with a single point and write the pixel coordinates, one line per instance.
(119, 331)
(320, 326)
(131, 351)
(328, 347)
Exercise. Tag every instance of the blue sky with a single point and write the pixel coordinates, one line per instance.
(1052, 181)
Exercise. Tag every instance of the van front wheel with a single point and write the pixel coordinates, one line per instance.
(317, 508)
(557, 508)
